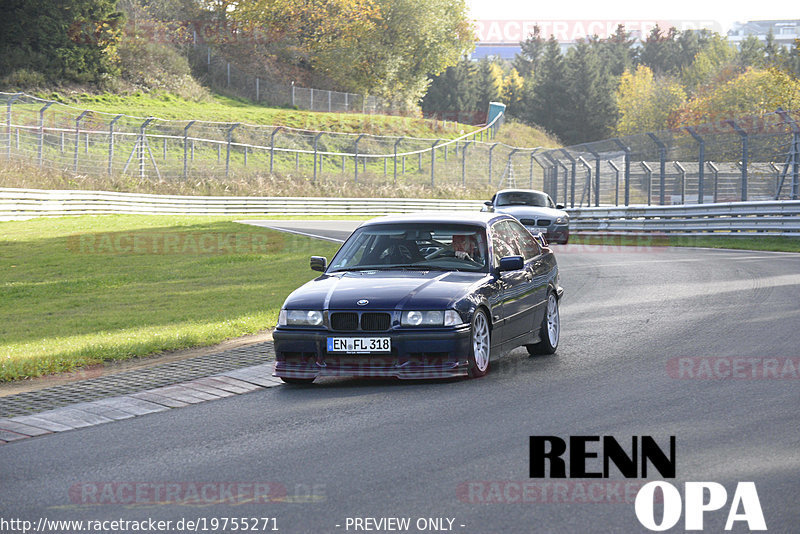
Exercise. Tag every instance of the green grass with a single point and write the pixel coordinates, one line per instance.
(221, 108)
(75, 291)
(767, 243)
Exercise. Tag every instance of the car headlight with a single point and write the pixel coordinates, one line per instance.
(562, 220)
(300, 318)
(430, 318)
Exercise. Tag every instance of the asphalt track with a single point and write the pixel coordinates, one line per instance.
(365, 448)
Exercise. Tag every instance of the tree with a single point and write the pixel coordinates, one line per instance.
(383, 47)
(73, 40)
(751, 52)
(590, 113)
(660, 51)
(547, 106)
(646, 104)
(489, 83)
(512, 93)
(616, 52)
(753, 92)
(530, 51)
(716, 54)
(452, 94)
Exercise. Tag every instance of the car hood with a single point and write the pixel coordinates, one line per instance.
(385, 290)
(531, 211)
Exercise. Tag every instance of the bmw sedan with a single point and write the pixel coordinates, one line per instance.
(535, 210)
(421, 296)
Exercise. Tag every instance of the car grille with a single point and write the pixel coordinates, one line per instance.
(528, 222)
(544, 222)
(344, 321)
(375, 322)
(369, 321)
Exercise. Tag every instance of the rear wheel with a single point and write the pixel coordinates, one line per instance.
(480, 345)
(550, 329)
(297, 381)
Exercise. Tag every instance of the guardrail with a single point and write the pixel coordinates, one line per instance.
(767, 217)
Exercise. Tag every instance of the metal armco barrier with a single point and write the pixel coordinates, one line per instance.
(763, 218)
(767, 217)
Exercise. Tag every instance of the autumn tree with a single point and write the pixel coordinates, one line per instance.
(513, 93)
(644, 103)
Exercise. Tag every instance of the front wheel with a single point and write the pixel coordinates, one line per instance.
(549, 330)
(481, 345)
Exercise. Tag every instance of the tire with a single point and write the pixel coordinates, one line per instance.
(298, 381)
(480, 345)
(550, 329)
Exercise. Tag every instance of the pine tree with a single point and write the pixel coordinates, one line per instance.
(452, 93)
(547, 107)
(489, 83)
(531, 51)
(591, 110)
(617, 52)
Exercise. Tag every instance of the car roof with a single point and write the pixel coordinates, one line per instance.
(520, 191)
(457, 217)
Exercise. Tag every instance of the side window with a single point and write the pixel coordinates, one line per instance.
(527, 243)
(504, 242)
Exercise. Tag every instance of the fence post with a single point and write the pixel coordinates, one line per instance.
(627, 151)
(464, 163)
(396, 143)
(346, 102)
(649, 173)
(111, 143)
(41, 132)
(311, 107)
(433, 159)
(272, 147)
(588, 181)
(257, 90)
(596, 174)
(491, 148)
(77, 138)
(293, 105)
(8, 120)
(555, 165)
(530, 182)
(228, 149)
(355, 155)
(229, 74)
(574, 172)
(316, 140)
(143, 145)
(329, 101)
(616, 181)
(186, 149)
(795, 153)
(701, 156)
(743, 135)
(662, 156)
(715, 171)
(682, 172)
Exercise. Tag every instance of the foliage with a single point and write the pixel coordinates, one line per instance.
(708, 63)
(489, 83)
(753, 92)
(70, 40)
(546, 105)
(644, 103)
(513, 93)
(452, 93)
(383, 47)
(531, 50)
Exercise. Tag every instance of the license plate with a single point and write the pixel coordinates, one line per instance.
(359, 345)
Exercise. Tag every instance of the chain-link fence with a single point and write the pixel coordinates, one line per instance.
(67, 139)
(753, 159)
(750, 158)
(226, 77)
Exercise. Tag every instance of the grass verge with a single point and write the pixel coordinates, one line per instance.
(750, 242)
(82, 290)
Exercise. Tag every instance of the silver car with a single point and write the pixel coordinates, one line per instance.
(535, 210)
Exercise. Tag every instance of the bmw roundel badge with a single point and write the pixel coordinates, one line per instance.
(362, 302)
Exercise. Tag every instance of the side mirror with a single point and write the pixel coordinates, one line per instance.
(560, 206)
(319, 263)
(511, 263)
(488, 206)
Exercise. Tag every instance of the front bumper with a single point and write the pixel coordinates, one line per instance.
(415, 354)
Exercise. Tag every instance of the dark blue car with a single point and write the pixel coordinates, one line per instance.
(421, 296)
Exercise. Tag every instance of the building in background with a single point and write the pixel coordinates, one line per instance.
(784, 31)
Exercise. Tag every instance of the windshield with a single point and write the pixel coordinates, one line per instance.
(521, 198)
(419, 246)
